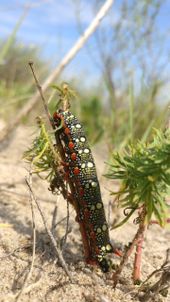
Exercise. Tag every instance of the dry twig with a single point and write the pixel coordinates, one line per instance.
(53, 241)
(163, 283)
(68, 230)
(57, 71)
(54, 218)
(34, 242)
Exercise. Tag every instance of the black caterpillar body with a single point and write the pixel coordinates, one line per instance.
(82, 172)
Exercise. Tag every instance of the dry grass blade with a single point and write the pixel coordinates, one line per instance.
(53, 241)
(34, 242)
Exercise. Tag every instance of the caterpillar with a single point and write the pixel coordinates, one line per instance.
(81, 171)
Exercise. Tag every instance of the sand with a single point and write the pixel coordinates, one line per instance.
(48, 282)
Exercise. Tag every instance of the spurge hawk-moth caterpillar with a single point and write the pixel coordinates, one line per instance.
(81, 170)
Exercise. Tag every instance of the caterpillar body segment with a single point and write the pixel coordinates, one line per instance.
(81, 170)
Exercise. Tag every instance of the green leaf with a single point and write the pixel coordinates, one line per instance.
(144, 174)
(124, 220)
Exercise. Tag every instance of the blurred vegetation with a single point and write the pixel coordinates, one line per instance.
(130, 55)
(16, 82)
(91, 116)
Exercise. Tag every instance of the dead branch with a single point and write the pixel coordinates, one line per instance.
(40, 92)
(57, 71)
(33, 244)
(161, 286)
(54, 218)
(53, 241)
(68, 230)
(62, 219)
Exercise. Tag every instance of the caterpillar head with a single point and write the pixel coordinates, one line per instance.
(57, 118)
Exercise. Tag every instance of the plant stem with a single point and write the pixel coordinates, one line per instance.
(138, 254)
(41, 94)
(130, 248)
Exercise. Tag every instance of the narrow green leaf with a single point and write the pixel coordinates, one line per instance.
(124, 220)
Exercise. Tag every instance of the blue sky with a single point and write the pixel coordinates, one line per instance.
(52, 25)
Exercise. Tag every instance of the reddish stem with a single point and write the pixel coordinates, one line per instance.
(74, 202)
(130, 248)
(138, 256)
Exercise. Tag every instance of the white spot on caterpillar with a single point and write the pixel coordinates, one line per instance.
(94, 184)
(80, 151)
(99, 205)
(104, 227)
(86, 150)
(78, 126)
(108, 247)
(82, 139)
(77, 140)
(90, 164)
(99, 230)
(83, 165)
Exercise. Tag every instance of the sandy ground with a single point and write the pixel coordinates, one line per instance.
(48, 281)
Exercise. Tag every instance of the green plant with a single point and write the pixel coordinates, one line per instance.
(91, 116)
(144, 172)
(42, 154)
